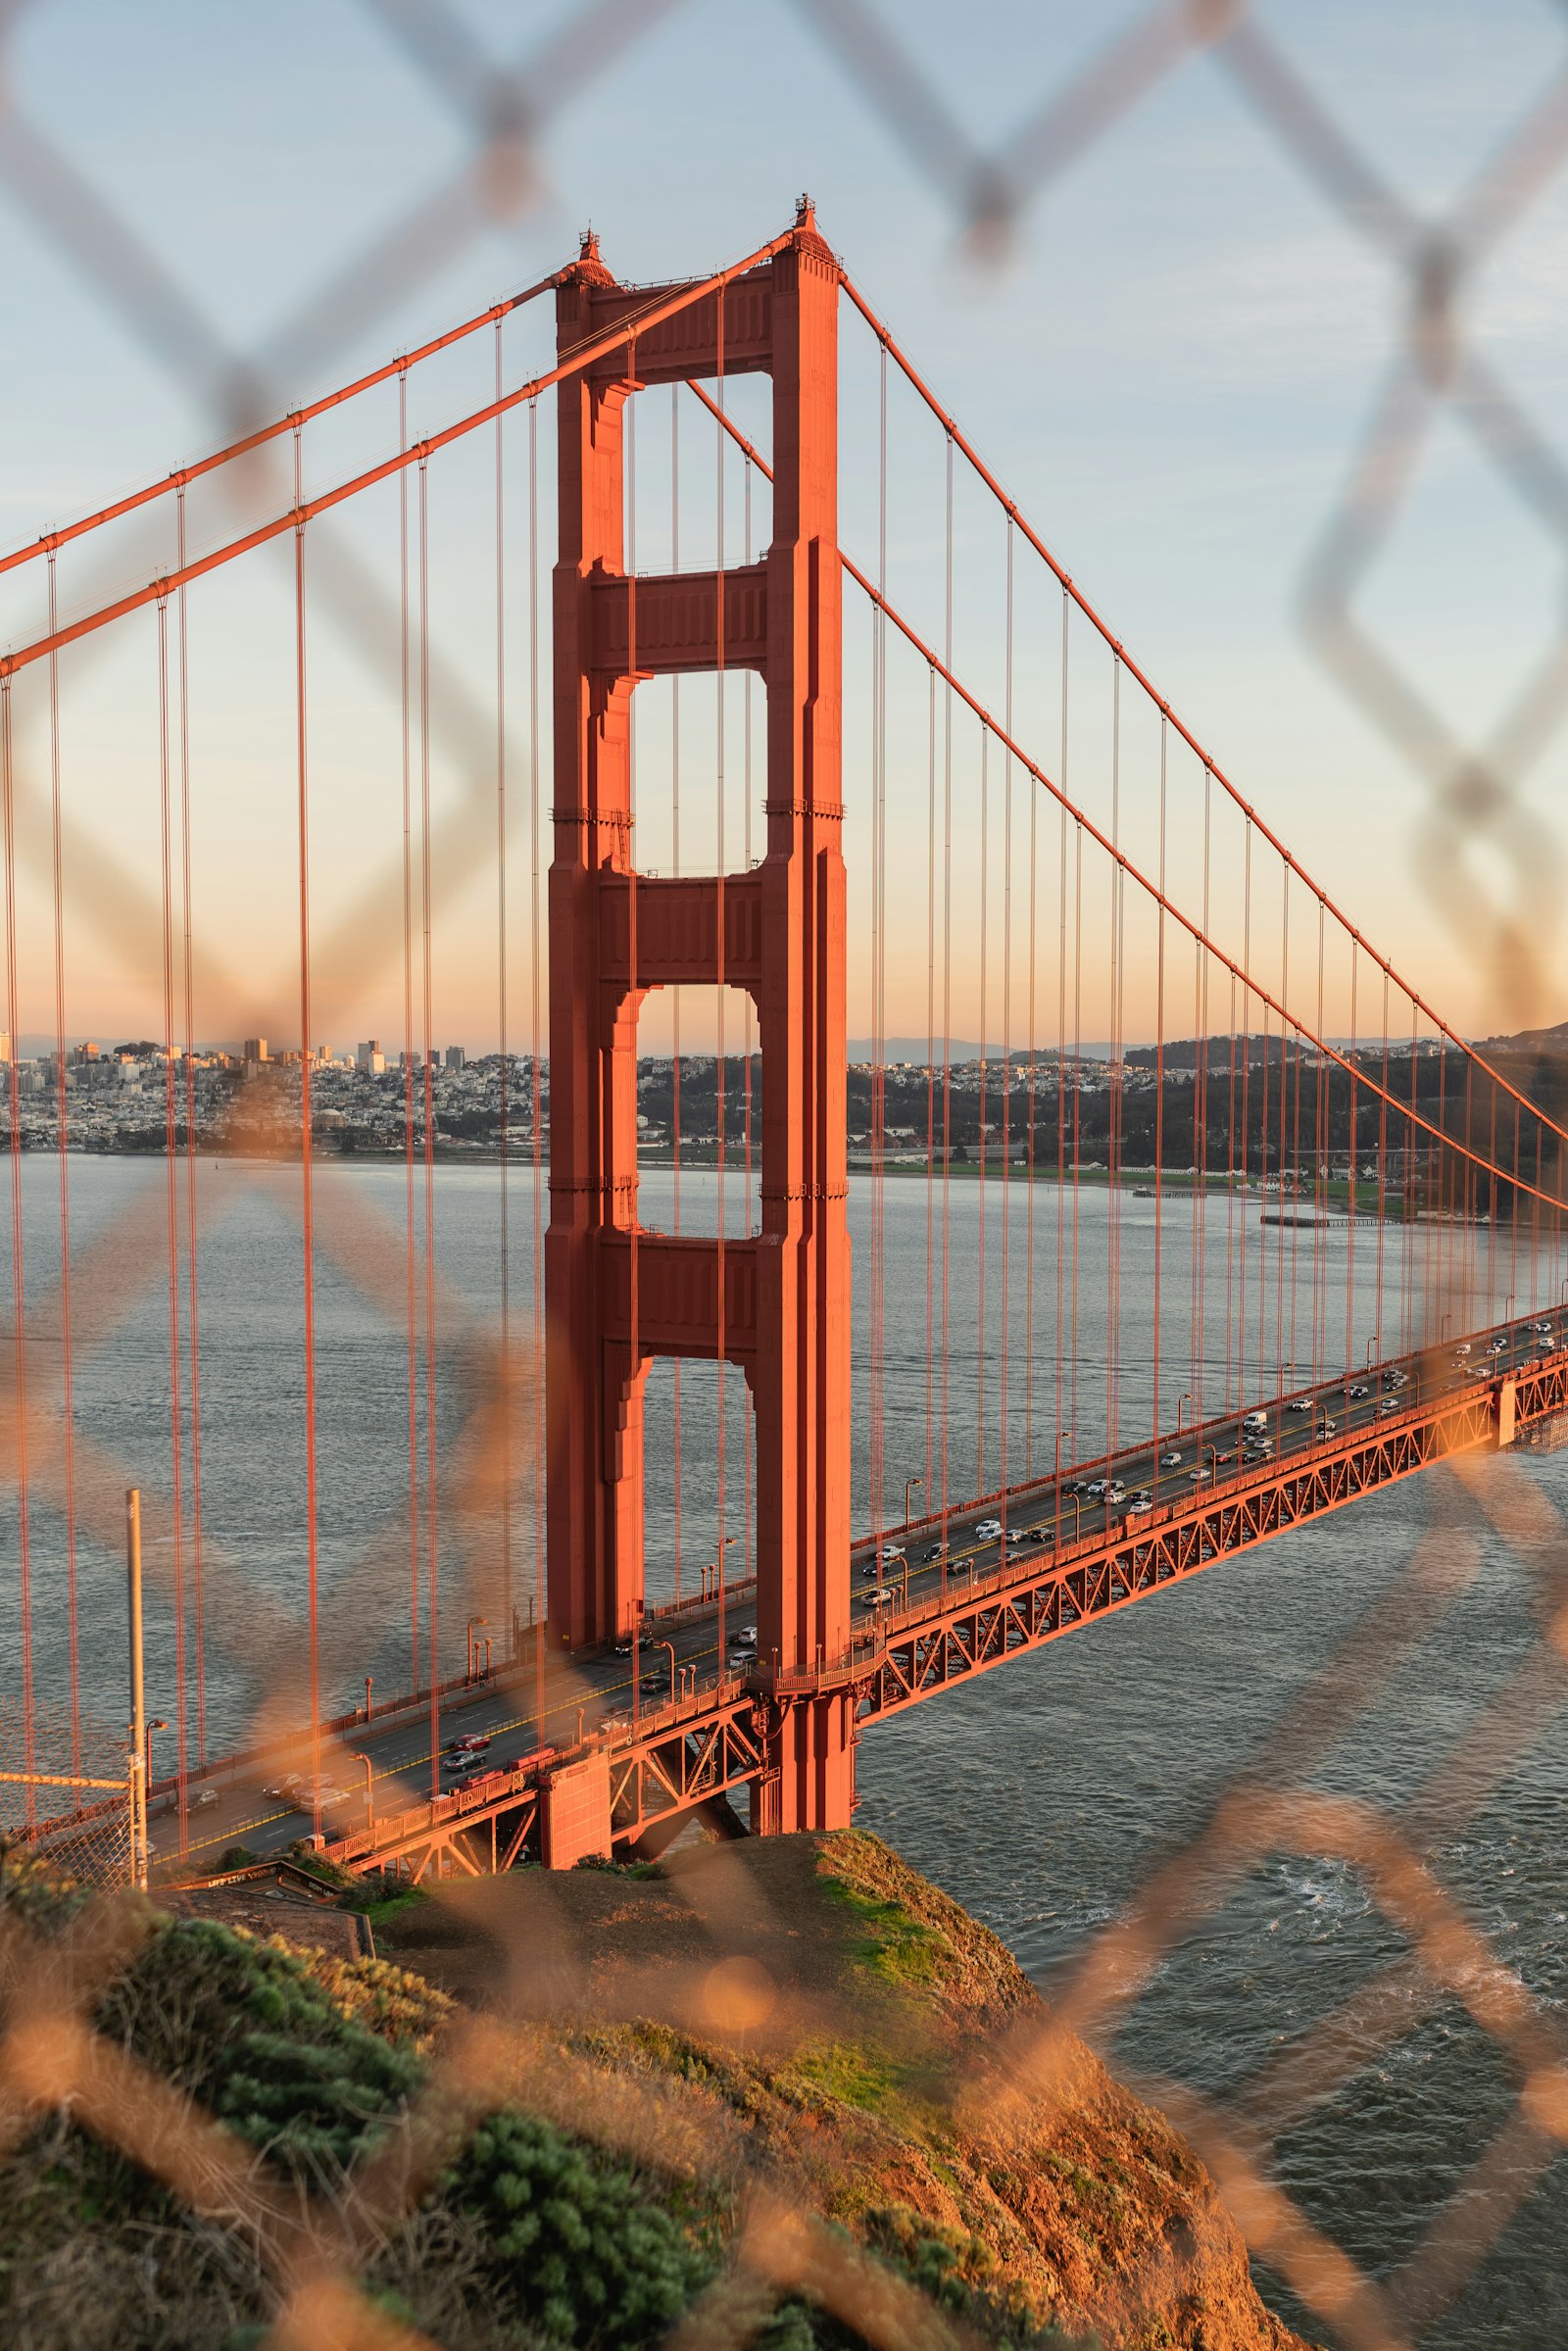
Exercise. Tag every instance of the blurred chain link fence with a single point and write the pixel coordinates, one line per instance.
(997, 191)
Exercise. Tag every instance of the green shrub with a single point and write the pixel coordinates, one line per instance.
(581, 2252)
(246, 2030)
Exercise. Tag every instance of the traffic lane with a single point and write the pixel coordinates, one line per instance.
(1298, 1433)
(403, 1750)
(402, 1753)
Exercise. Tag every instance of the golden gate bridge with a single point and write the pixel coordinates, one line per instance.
(929, 775)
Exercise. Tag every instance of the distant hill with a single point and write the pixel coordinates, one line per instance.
(1528, 1041)
(921, 1051)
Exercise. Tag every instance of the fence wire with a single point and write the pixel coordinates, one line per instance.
(1490, 865)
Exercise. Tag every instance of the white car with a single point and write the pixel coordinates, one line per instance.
(1170, 1460)
(988, 1530)
(891, 1554)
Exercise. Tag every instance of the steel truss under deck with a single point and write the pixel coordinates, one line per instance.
(666, 1768)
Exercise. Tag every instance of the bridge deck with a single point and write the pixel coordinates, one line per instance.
(952, 1604)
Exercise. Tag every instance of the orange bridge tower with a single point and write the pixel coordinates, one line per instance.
(777, 1304)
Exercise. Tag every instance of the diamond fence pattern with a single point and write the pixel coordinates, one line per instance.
(1489, 863)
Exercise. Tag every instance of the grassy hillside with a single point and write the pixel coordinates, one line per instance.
(641, 2098)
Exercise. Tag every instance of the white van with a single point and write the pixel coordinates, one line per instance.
(1257, 1422)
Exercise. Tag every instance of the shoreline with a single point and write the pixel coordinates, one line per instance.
(1139, 1181)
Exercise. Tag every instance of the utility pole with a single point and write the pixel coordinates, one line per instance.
(139, 1693)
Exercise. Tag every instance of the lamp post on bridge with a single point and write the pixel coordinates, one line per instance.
(670, 1646)
(909, 1484)
(370, 1792)
(1182, 1402)
(636, 1660)
(1060, 1434)
(1376, 1340)
(726, 1544)
(473, 1644)
(157, 1723)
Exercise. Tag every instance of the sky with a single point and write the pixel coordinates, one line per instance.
(1171, 363)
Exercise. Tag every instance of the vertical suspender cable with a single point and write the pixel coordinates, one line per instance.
(980, 1486)
(411, 1298)
(1262, 1181)
(433, 1564)
(1007, 1040)
(879, 715)
(748, 1559)
(1320, 1197)
(1062, 1424)
(66, 1393)
(19, 1338)
(1513, 1220)
(1077, 1096)
(1285, 1164)
(1029, 1220)
(1410, 1192)
(306, 1204)
(947, 987)
(1232, 1307)
(1350, 1238)
(193, 1286)
(720, 1038)
(1200, 975)
(177, 1443)
(675, 994)
(1159, 1083)
(536, 1065)
(1113, 1098)
(1245, 1057)
(930, 1080)
(507, 1595)
(1383, 1159)
(1295, 1182)
(628, 416)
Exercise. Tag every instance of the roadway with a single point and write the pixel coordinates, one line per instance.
(595, 1690)
(1204, 1457)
